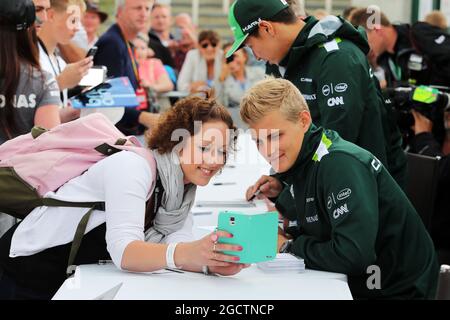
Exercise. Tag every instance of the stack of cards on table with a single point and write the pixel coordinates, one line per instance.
(284, 262)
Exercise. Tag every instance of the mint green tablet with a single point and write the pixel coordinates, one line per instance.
(256, 233)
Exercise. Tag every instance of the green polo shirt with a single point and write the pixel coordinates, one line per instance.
(351, 216)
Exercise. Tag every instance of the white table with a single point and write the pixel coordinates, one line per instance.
(92, 281)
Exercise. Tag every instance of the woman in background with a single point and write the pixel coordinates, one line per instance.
(28, 96)
(92, 19)
(236, 78)
(202, 67)
(152, 73)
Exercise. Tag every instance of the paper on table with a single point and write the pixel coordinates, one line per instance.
(110, 294)
(283, 262)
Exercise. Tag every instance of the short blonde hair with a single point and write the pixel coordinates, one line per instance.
(437, 18)
(270, 95)
(62, 5)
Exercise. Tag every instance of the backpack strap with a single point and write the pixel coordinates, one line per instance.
(49, 202)
(76, 243)
(152, 209)
(153, 204)
(37, 131)
(150, 214)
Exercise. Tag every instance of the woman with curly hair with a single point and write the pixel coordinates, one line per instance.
(138, 231)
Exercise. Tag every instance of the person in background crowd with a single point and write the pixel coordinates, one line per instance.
(61, 26)
(235, 79)
(116, 53)
(437, 18)
(159, 34)
(202, 66)
(161, 22)
(130, 232)
(151, 71)
(185, 35)
(29, 96)
(92, 20)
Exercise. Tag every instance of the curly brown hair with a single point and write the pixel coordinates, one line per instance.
(183, 115)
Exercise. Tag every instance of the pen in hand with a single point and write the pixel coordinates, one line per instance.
(258, 192)
(254, 195)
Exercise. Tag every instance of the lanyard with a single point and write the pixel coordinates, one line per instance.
(132, 57)
(55, 72)
(396, 70)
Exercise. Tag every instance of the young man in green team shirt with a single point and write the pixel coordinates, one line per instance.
(351, 216)
(326, 60)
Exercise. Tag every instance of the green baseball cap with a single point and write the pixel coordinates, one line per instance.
(245, 15)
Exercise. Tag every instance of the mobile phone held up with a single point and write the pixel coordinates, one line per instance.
(256, 233)
(92, 51)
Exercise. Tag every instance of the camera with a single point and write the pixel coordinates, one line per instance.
(430, 101)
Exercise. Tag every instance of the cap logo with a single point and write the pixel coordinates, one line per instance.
(251, 25)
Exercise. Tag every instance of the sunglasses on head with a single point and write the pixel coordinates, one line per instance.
(207, 44)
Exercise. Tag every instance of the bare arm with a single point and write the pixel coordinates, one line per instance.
(73, 73)
(47, 117)
(71, 52)
(140, 256)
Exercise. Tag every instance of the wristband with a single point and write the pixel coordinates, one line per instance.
(170, 253)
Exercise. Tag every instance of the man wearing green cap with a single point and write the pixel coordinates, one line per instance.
(327, 62)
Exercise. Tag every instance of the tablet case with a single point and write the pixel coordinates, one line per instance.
(117, 92)
(256, 233)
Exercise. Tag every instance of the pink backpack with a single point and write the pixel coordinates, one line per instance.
(33, 164)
